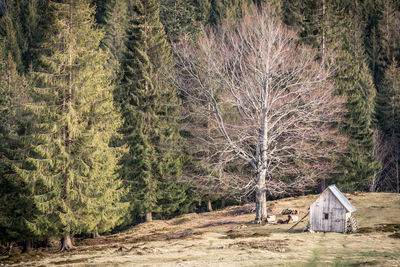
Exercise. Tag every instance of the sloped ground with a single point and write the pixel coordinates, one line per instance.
(227, 238)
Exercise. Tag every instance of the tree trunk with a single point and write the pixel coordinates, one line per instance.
(261, 198)
(28, 247)
(66, 243)
(223, 203)
(149, 217)
(209, 206)
(10, 247)
(321, 185)
(95, 235)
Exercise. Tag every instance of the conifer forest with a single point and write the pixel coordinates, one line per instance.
(118, 112)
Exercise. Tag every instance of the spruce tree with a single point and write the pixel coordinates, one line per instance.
(149, 106)
(389, 36)
(116, 24)
(101, 10)
(387, 100)
(73, 164)
(24, 26)
(18, 213)
(11, 31)
(388, 115)
(178, 18)
(355, 82)
(229, 10)
(372, 13)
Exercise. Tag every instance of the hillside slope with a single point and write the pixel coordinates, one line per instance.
(228, 238)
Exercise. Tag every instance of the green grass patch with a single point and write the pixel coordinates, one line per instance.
(384, 254)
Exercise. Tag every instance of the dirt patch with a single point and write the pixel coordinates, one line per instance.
(182, 234)
(280, 246)
(81, 260)
(95, 241)
(395, 235)
(387, 228)
(218, 224)
(243, 234)
(366, 230)
(180, 221)
(247, 209)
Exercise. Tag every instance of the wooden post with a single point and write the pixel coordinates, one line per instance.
(298, 222)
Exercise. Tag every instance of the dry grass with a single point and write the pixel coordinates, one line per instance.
(228, 238)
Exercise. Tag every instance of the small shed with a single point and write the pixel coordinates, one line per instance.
(331, 212)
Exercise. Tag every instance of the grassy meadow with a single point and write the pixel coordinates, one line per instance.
(228, 238)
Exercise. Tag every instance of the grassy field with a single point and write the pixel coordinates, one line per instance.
(228, 238)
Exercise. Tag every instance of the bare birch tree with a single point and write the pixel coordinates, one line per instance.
(270, 103)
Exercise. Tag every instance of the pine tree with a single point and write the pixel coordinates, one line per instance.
(178, 18)
(387, 98)
(360, 166)
(149, 105)
(11, 31)
(229, 10)
(390, 37)
(202, 10)
(73, 164)
(101, 10)
(18, 212)
(116, 24)
(24, 27)
(388, 115)
(355, 83)
(372, 13)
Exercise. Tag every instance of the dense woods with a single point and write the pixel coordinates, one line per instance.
(118, 111)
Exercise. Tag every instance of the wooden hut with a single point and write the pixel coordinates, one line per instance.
(331, 212)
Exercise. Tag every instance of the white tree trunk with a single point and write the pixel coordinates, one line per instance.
(261, 198)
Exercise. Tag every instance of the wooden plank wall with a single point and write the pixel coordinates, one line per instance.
(327, 203)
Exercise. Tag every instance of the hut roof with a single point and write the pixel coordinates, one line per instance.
(342, 199)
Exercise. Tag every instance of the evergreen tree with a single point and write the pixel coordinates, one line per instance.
(101, 10)
(72, 162)
(388, 115)
(387, 99)
(202, 10)
(178, 18)
(116, 24)
(18, 213)
(372, 13)
(11, 31)
(360, 166)
(24, 27)
(149, 107)
(228, 10)
(355, 83)
(389, 34)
